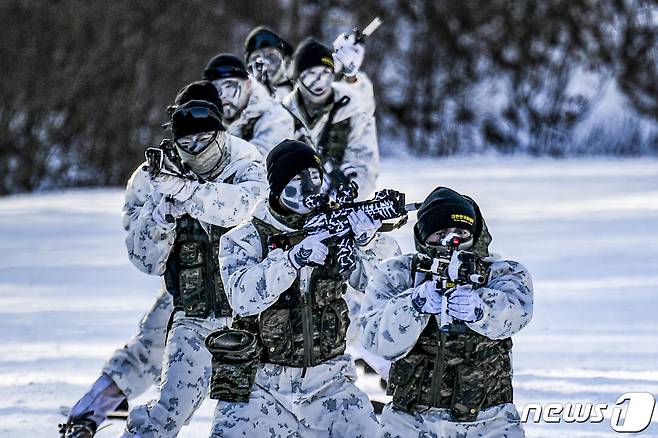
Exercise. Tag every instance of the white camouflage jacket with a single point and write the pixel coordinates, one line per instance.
(273, 122)
(213, 202)
(362, 149)
(136, 195)
(253, 282)
(390, 324)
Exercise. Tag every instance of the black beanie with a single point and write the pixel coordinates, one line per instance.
(225, 65)
(286, 160)
(311, 53)
(445, 208)
(194, 117)
(260, 38)
(201, 90)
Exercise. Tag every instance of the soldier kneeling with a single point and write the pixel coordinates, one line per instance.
(445, 317)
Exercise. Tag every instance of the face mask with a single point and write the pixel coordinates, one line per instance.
(268, 61)
(305, 184)
(210, 161)
(315, 84)
(234, 94)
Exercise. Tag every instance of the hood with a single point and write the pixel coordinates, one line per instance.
(259, 102)
(239, 151)
(262, 211)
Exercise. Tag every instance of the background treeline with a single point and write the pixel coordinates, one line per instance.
(85, 83)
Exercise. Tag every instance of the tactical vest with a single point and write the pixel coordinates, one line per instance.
(333, 139)
(456, 369)
(192, 270)
(247, 130)
(304, 330)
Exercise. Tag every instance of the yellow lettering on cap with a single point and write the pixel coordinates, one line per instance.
(462, 218)
(327, 61)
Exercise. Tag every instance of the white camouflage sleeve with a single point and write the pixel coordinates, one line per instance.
(508, 301)
(362, 152)
(382, 247)
(390, 324)
(148, 243)
(137, 191)
(252, 283)
(274, 126)
(362, 89)
(227, 205)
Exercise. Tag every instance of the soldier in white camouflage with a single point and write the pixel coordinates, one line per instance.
(304, 386)
(248, 111)
(136, 366)
(177, 235)
(330, 117)
(445, 317)
(267, 57)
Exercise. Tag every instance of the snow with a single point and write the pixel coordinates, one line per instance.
(587, 229)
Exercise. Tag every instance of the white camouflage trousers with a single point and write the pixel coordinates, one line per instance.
(138, 365)
(495, 422)
(185, 379)
(287, 402)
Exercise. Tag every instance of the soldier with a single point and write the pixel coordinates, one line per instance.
(247, 109)
(132, 369)
(450, 339)
(267, 56)
(305, 384)
(329, 119)
(177, 234)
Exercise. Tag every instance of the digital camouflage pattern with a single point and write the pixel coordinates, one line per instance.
(317, 402)
(138, 364)
(213, 202)
(391, 328)
(185, 379)
(264, 122)
(352, 138)
(186, 373)
(289, 401)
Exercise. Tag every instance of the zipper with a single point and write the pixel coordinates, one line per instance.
(437, 372)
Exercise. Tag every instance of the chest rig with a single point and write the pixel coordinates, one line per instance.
(454, 368)
(304, 329)
(192, 272)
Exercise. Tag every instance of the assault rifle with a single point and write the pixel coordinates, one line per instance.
(164, 159)
(332, 217)
(455, 268)
(449, 271)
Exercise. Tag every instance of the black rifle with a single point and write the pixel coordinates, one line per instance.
(164, 160)
(332, 217)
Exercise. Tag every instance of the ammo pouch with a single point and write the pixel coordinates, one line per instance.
(235, 358)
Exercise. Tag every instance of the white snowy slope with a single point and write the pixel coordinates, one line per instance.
(587, 229)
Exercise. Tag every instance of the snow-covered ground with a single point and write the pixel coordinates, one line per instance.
(587, 229)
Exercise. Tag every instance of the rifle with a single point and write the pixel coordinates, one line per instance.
(164, 160)
(332, 217)
(449, 271)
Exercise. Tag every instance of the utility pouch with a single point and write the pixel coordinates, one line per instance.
(235, 358)
(469, 393)
(405, 382)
